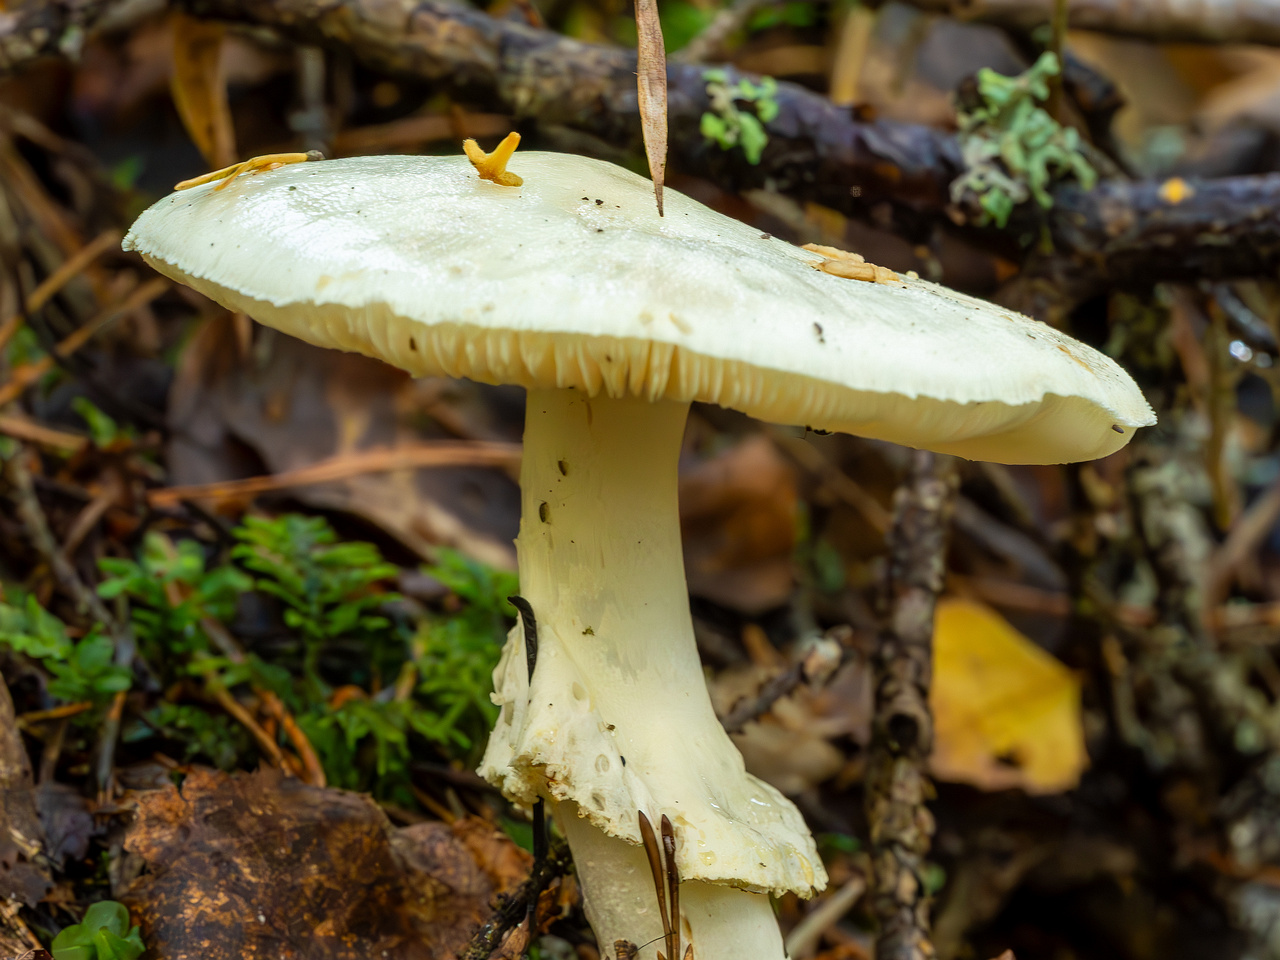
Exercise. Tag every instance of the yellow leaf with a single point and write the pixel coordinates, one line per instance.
(199, 89)
(1006, 713)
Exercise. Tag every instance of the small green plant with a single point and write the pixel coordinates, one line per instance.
(796, 14)
(103, 430)
(1013, 150)
(442, 690)
(166, 571)
(729, 125)
(398, 683)
(455, 654)
(104, 934)
(79, 670)
(329, 590)
(202, 734)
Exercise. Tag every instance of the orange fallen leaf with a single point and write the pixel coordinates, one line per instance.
(1006, 713)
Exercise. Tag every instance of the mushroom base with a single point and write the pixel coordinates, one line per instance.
(722, 922)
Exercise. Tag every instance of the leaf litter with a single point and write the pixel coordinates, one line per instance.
(263, 866)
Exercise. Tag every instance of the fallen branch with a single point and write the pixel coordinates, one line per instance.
(1132, 233)
(902, 727)
(895, 173)
(1221, 21)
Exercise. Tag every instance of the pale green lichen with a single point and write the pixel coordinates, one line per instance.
(728, 124)
(1013, 150)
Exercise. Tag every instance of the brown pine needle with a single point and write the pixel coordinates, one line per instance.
(432, 453)
(651, 82)
(653, 852)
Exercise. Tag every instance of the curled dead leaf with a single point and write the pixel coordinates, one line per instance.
(199, 88)
(261, 866)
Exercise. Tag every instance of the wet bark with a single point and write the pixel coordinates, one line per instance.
(1223, 21)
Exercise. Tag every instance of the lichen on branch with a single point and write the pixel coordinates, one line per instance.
(1013, 150)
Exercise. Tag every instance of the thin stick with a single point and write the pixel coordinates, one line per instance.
(530, 623)
(706, 45)
(654, 853)
(673, 885)
(20, 428)
(265, 741)
(438, 453)
(26, 720)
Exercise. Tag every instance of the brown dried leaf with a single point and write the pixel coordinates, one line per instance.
(738, 514)
(299, 405)
(260, 866)
(505, 864)
(199, 88)
(651, 79)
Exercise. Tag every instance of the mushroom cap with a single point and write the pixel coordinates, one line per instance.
(573, 280)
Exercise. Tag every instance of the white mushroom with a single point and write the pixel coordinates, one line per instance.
(616, 320)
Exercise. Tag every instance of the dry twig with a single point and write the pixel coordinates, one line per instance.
(438, 453)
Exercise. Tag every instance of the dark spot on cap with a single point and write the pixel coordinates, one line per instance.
(766, 236)
(1117, 428)
(599, 203)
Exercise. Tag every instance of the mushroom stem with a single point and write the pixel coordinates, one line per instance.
(617, 717)
(722, 922)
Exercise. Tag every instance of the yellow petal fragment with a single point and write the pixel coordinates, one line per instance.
(1006, 713)
(269, 161)
(833, 253)
(493, 166)
(851, 266)
(857, 270)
